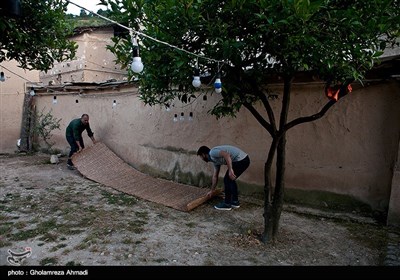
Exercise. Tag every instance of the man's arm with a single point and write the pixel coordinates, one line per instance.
(214, 180)
(228, 160)
(90, 133)
(79, 146)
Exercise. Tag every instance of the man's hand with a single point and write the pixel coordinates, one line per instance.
(232, 175)
(211, 193)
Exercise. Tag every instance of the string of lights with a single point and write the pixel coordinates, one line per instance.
(3, 78)
(137, 65)
(145, 35)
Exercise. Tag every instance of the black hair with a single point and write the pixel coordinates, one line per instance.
(85, 115)
(203, 150)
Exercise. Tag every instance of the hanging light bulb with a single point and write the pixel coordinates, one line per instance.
(32, 92)
(137, 65)
(218, 84)
(196, 78)
(2, 77)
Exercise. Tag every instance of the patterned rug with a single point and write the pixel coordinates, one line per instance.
(100, 164)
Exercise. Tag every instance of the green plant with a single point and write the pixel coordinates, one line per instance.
(50, 42)
(44, 125)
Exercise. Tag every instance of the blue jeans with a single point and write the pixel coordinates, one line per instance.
(231, 189)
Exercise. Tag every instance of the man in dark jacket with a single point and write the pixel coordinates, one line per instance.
(74, 136)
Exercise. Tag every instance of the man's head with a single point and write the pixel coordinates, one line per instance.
(203, 152)
(85, 119)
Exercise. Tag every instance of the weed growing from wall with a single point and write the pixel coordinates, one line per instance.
(45, 124)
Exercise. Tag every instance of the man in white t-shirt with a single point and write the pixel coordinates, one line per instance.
(237, 162)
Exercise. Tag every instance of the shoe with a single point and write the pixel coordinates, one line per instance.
(223, 206)
(70, 167)
(235, 204)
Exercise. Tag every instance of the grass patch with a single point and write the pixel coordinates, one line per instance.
(3, 218)
(24, 235)
(46, 226)
(49, 237)
(161, 260)
(4, 243)
(82, 246)
(70, 231)
(20, 225)
(371, 236)
(58, 247)
(49, 261)
(42, 228)
(136, 226)
(127, 240)
(73, 263)
(191, 224)
(119, 199)
(12, 196)
(324, 200)
(6, 228)
(143, 215)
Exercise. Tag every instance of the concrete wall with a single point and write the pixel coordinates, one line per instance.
(350, 151)
(93, 63)
(12, 92)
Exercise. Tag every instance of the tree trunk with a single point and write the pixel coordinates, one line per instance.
(272, 211)
(277, 204)
(267, 234)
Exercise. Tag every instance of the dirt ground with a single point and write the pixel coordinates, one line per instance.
(68, 220)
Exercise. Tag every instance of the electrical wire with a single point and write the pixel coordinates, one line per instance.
(16, 74)
(135, 32)
(145, 35)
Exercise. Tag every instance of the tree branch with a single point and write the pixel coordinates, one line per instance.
(269, 110)
(259, 118)
(311, 118)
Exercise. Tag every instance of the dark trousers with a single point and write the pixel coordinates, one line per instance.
(74, 147)
(231, 189)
